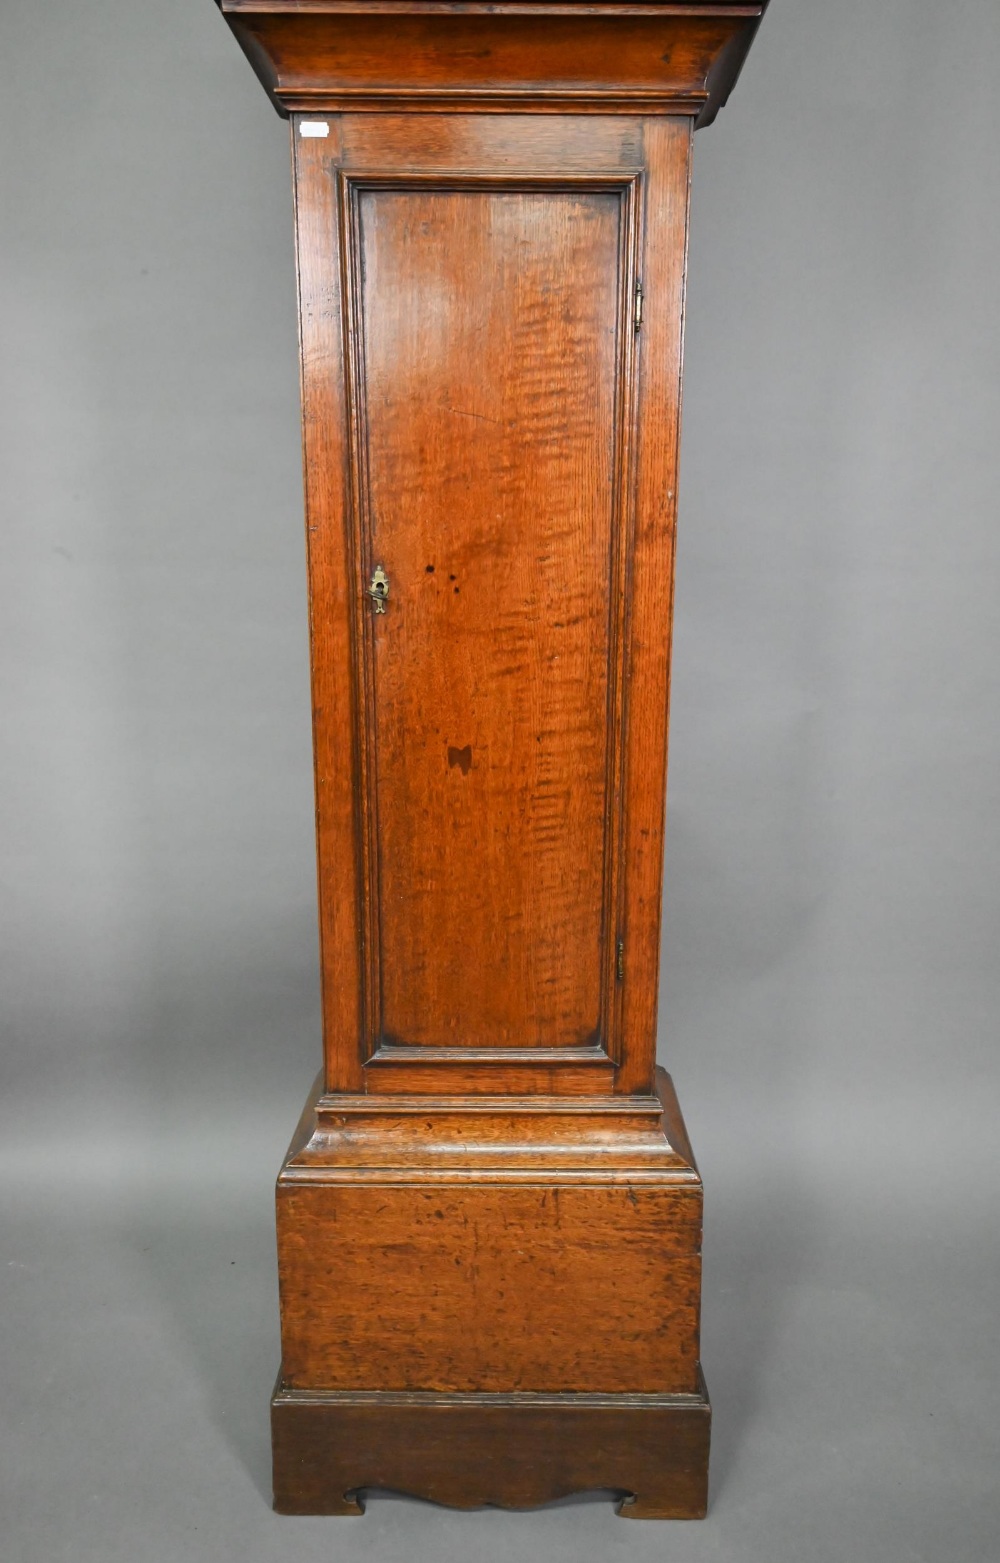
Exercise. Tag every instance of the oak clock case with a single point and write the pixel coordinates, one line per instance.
(489, 1218)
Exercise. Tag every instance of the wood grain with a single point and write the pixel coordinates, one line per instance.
(489, 1220)
(484, 1287)
(489, 326)
(333, 582)
(563, 57)
(516, 1451)
(667, 149)
(521, 437)
(523, 1246)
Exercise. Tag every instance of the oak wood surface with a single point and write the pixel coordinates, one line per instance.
(490, 748)
(501, 1138)
(563, 1286)
(497, 57)
(520, 1246)
(489, 1220)
(490, 322)
(513, 1450)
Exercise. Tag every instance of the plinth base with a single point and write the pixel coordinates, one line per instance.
(512, 1451)
(491, 1301)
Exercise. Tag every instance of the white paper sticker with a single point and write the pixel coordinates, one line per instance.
(314, 127)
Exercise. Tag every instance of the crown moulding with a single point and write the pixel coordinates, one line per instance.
(515, 56)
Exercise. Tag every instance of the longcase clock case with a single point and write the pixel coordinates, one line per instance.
(489, 1220)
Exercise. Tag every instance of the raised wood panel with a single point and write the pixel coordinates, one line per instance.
(492, 340)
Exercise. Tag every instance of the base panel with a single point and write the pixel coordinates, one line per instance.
(510, 1451)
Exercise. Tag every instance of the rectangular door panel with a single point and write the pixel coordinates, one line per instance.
(487, 384)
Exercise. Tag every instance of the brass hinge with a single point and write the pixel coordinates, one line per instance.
(638, 305)
(620, 967)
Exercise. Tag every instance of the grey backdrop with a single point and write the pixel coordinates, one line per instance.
(831, 984)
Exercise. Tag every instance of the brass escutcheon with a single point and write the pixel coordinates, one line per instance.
(378, 590)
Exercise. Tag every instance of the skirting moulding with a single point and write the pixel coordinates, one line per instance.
(489, 1217)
